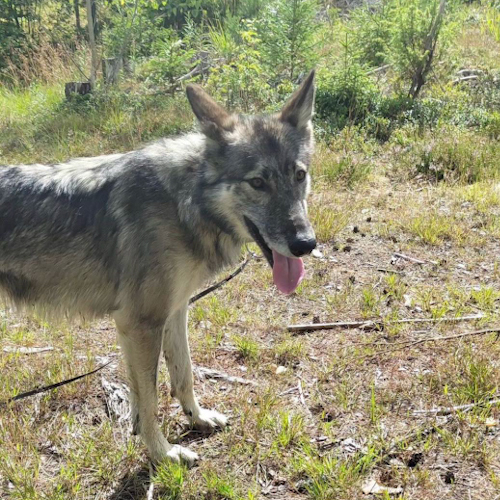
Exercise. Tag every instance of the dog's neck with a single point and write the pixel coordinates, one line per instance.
(185, 164)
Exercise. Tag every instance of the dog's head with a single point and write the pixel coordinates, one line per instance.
(257, 177)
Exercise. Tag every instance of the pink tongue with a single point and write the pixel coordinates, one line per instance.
(287, 272)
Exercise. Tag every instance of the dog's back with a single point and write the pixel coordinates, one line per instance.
(57, 235)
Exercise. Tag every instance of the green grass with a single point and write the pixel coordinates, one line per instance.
(332, 168)
(431, 228)
(453, 155)
(171, 477)
(485, 196)
(328, 218)
(39, 125)
(289, 351)
(247, 348)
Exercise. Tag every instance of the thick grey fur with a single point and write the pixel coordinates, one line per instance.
(133, 235)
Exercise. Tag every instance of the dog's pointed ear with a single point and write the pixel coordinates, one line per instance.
(299, 109)
(213, 118)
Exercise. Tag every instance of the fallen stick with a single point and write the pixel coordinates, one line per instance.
(454, 409)
(414, 260)
(27, 350)
(372, 325)
(206, 373)
(465, 79)
(388, 271)
(50, 387)
(378, 70)
(329, 326)
(436, 339)
(301, 396)
(288, 391)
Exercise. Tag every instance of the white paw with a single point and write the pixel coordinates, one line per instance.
(209, 420)
(179, 454)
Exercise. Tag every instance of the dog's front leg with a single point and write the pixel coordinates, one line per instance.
(141, 344)
(176, 350)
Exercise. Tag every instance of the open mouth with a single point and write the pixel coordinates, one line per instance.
(255, 234)
(288, 272)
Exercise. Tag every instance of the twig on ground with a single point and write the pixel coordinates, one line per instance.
(368, 325)
(454, 409)
(27, 350)
(414, 260)
(389, 271)
(288, 391)
(379, 69)
(50, 387)
(373, 325)
(436, 339)
(382, 269)
(465, 79)
(301, 395)
(205, 373)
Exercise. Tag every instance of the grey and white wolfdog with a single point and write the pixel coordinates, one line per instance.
(133, 235)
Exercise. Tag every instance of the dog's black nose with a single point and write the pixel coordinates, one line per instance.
(302, 247)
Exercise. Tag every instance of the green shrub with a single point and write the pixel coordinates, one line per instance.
(492, 20)
(418, 30)
(452, 155)
(173, 58)
(241, 82)
(398, 33)
(287, 29)
(346, 95)
(492, 125)
(372, 30)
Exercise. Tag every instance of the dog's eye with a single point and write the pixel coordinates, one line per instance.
(300, 175)
(257, 183)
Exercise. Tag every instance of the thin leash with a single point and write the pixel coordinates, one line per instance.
(210, 289)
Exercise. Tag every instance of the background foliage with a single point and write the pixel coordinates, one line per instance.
(251, 54)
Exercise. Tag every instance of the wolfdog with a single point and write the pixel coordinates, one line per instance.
(133, 235)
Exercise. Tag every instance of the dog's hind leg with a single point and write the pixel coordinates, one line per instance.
(141, 345)
(176, 351)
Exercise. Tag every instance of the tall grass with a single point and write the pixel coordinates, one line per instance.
(40, 125)
(45, 63)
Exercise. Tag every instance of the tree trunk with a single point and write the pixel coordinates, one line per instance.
(420, 76)
(13, 14)
(94, 17)
(93, 50)
(111, 70)
(76, 6)
(72, 88)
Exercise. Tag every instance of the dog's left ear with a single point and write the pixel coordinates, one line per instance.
(299, 109)
(213, 118)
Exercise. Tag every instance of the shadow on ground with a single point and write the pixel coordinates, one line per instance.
(133, 485)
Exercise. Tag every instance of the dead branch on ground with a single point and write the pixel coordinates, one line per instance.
(376, 325)
(454, 409)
